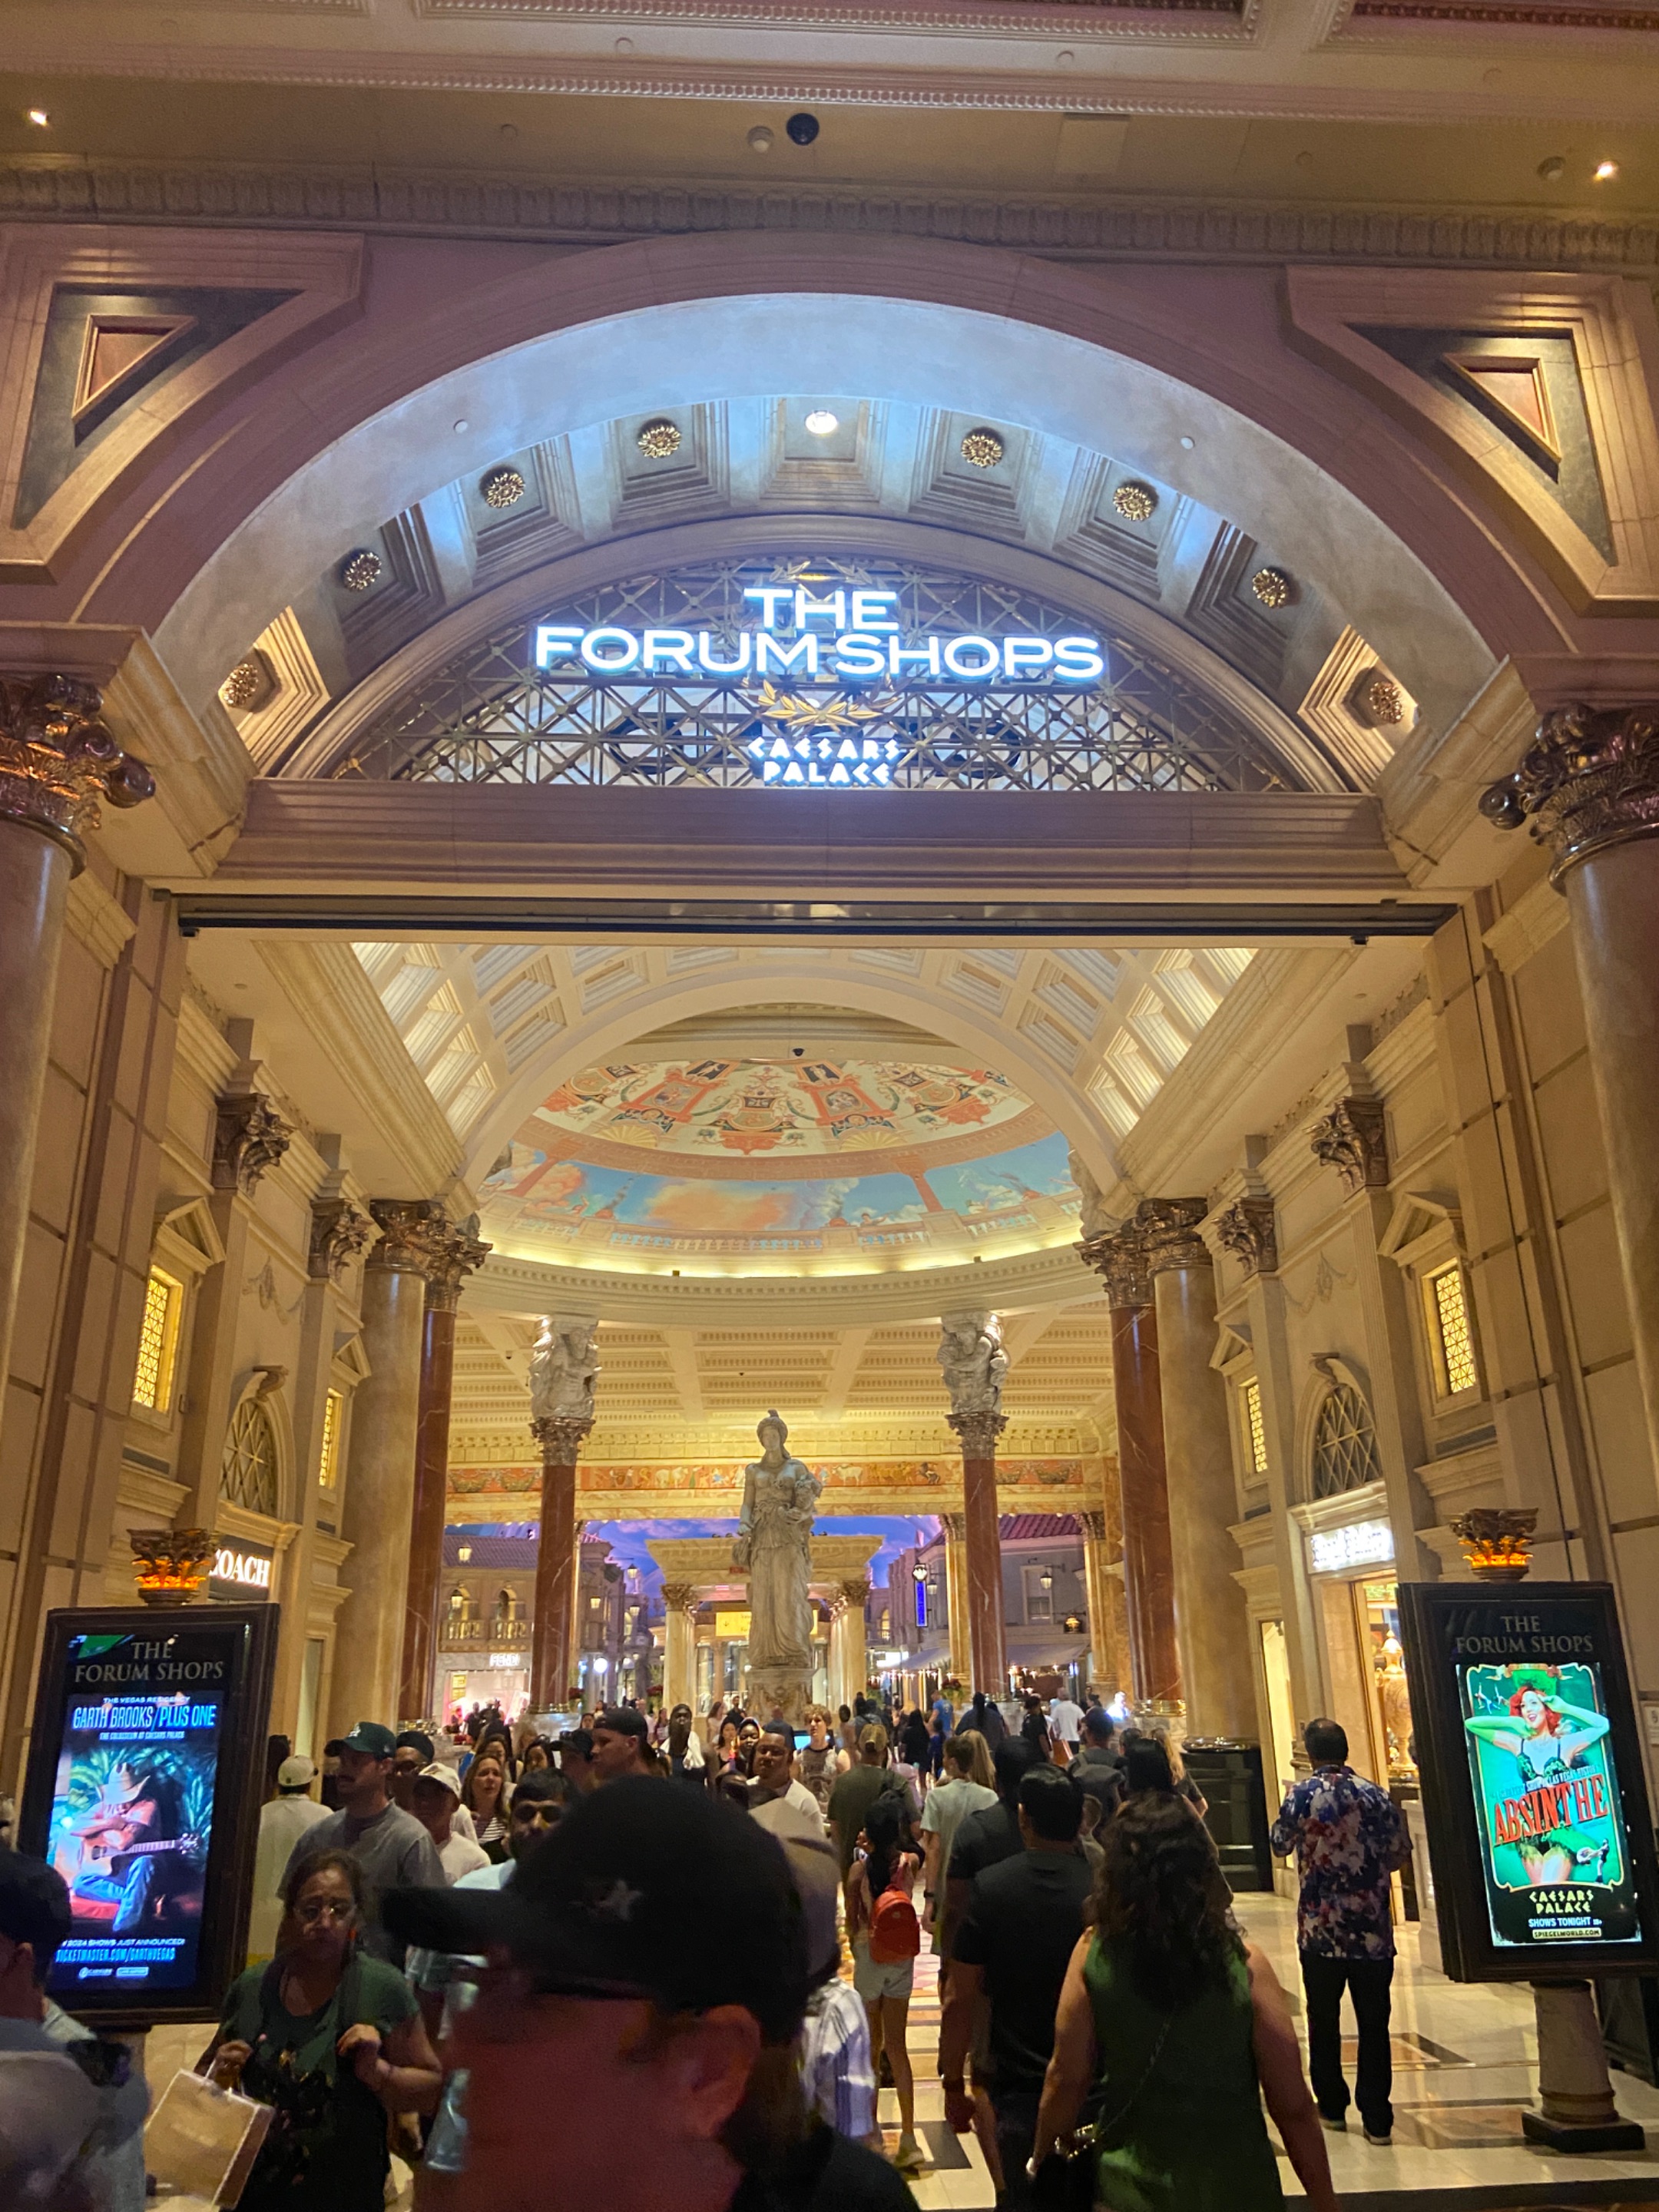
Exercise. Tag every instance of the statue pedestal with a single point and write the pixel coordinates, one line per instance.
(785, 1690)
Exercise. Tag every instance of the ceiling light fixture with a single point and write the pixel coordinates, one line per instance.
(821, 421)
(1605, 172)
(39, 118)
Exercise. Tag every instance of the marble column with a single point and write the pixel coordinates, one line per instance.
(380, 1464)
(456, 1252)
(558, 1559)
(57, 762)
(1103, 1580)
(679, 1654)
(955, 1595)
(1589, 785)
(1211, 1622)
(987, 1642)
(1119, 1257)
(855, 1656)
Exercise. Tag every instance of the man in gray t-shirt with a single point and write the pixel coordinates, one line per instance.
(391, 1846)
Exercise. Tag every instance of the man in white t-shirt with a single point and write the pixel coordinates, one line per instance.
(281, 1824)
(774, 1792)
(1065, 1719)
(433, 1801)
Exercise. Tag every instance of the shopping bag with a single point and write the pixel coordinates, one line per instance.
(204, 2140)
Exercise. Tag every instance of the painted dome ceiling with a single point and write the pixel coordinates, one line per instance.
(748, 1166)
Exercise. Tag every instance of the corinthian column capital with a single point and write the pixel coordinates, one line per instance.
(560, 1439)
(58, 760)
(1353, 1139)
(979, 1431)
(412, 1231)
(1589, 779)
(455, 1253)
(249, 1137)
(1118, 1256)
(1247, 1230)
(1169, 1230)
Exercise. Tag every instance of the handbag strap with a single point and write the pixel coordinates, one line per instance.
(1099, 2131)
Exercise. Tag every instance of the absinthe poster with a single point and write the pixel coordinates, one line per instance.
(1553, 1851)
(139, 1745)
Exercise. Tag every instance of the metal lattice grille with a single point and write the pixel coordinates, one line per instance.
(1345, 1445)
(247, 1474)
(490, 717)
(1458, 1370)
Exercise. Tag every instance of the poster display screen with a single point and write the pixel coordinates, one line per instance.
(1533, 1786)
(139, 1793)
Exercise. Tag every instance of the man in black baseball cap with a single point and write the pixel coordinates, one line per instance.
(634, 2033)
(621, 1744)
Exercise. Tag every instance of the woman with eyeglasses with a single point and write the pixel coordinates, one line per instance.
(333, 2039)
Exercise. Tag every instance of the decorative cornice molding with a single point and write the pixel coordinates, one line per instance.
(412, 1235)
(1119, 1258)
(1352, 1138)
(339, 1231)
(58, 760)
(1168, 1228)
(249, 1139)
(1085, 228)
(1248, 1230)
(561, 1438)
(1589, 780)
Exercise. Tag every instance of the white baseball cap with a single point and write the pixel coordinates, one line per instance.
(439, 1772)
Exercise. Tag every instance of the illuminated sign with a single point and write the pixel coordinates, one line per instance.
(849, 638)
(1363, 1544)
(732, 1626)
(240, 1571)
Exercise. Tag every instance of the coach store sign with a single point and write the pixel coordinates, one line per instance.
(241, 1573)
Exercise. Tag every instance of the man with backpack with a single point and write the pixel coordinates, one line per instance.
(1013, 1944)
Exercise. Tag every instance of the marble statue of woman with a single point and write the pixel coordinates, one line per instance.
(775, 1546)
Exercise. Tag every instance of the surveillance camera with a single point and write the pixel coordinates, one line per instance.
(802, 129)
(799, 1051)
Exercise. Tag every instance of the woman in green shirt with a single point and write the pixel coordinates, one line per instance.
(1181, 2027)
(330, 2038)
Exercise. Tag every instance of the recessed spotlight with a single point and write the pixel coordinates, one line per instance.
(821, 421)
(760, 140)
(40, 117)
(1553, 169)
(1605, 172)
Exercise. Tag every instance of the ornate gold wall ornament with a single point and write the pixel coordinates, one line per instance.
(249, 1137)
(1272, 587)
(1379, 700)
(1352, 1138)
(171, 1565)
(1169, 1230)
(339, 1231)
(982, 448)
(249, 685)
(1590, 779)
(454, 1257)
(1135, 501)
(58, 760)
(1118, 1256)
(412, 1233)
(1497, 1540)
(1248, 1230)
(659, 441)
(561, 1438)
(502, 487)
(360, 569)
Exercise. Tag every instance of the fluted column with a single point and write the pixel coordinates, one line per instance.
(1103, 1580)
(380, 1465)
(1211, 1626)
(456, 1252)
(1589, 786)
(679, 1655)
(855, 1655)
(974, 1364)
(955, 1595)
(1119, 1257)
(57, 762)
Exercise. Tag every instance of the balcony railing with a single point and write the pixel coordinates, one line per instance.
(489, 1634)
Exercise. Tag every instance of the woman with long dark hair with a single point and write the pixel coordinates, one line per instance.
(488, 1796)
(334, 2040)
(886, 1986)
(1181, 2027)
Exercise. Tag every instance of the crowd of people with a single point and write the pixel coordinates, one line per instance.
(492, 1956)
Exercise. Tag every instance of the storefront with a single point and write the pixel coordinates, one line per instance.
(1350, 1556)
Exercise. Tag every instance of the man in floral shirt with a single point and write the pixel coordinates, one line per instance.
(1348, 1836)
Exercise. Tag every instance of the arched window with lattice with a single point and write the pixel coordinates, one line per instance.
(248, 1473)
(1344, 1444)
